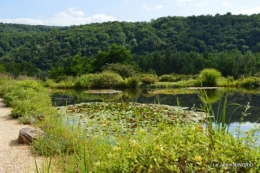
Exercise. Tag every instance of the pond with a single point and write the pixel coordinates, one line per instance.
(236, 101)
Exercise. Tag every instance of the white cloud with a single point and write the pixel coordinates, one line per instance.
(202, 3)
(158, 7)
(66, 19)
(254, 10)
(72, 16)
(183, 3)
(75, 12)
(146, 7)
(226, 4)
(23, 21)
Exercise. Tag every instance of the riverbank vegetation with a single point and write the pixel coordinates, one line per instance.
(121, 137)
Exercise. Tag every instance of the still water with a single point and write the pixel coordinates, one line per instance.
(235, 101)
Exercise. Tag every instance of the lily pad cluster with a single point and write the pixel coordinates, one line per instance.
(125, 118)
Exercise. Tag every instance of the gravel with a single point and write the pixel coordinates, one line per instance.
(14, 157)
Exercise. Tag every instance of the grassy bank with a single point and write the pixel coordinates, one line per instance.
(128, 138)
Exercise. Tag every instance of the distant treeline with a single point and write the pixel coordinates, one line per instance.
(229, 43)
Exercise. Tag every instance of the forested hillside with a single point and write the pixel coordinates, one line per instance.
(229, 43)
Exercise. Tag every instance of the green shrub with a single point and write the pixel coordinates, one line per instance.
(132, 82)
(107, 80)
(148, 79)
(167, 78)
(122, 69)
(100, 80)
(209, 77)
(27, 97)
(82, 82)
(250, 82)
(50, 83)
(230, 79)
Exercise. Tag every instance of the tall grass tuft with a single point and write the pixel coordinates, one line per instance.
(209, 77)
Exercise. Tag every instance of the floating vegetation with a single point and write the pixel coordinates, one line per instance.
(126, 117)
(103, 91)
(171, 91)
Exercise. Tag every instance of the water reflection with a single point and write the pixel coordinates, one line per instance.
(235, 101)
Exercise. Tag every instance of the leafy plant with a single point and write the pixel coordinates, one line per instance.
(132, 82)
(124, 70)
(148, 79)
(209, 77)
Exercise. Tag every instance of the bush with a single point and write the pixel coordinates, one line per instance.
(27, 97)
(250, 82)
(132, 82)
(122, 69)
(148, 79)
(107, 80)
(82, 82)
(167, 78)
(100, 80)
(209, 77)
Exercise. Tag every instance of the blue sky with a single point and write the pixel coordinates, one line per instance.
(76, 12)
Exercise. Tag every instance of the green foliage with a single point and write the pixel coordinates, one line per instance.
(116, 54)
(34, 50)
(56, 72)
(132, 82)
(107, 80)
(4, 78)
(167, 78)
(124, 70)
(82, 81)
(79, 66)
(99, 80)
(209, 77)
(148, 79)
(250, 82)
(51, 145)
(147, 143)
(2, 69)
(27, 97)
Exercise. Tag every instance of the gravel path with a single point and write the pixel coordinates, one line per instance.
(14, 157)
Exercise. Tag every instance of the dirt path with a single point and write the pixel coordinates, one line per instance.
(14, 157)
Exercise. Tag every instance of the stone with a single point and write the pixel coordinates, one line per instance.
(28, 135)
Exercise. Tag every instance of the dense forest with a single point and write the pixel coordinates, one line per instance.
(181, 45)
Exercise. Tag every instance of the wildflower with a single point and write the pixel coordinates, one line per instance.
(104, 125)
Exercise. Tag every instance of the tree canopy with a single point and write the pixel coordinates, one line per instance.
(168, 44)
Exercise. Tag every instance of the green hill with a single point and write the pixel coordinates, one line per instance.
(27, 48)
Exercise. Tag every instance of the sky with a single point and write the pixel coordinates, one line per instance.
(80, 12)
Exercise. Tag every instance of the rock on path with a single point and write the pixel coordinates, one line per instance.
(14, 157)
